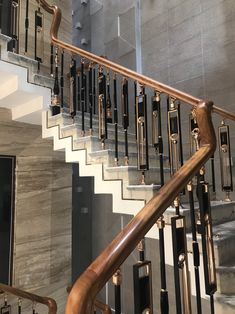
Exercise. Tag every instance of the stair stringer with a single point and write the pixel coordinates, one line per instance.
(114, 187)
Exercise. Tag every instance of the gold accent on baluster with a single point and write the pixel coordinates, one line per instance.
(143, 178)
(161, 223)
(190, 186)
(117, 278)
(202, 171)
(126, 160)
(141, 245)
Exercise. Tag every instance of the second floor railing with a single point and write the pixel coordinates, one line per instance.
(22, 295)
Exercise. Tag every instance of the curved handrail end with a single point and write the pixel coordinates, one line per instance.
(207, 135)
(57, 15)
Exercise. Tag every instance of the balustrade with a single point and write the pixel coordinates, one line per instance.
(100, 90)
(23, 297)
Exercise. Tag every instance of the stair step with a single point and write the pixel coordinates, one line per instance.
(226, 278)
(25, 100)
(225, 304)
(143, 191)
(132, 175)
(4, 40)
(224, 242)
(107, 157)
(24, 61)
(221, 211)
(93, 143)
(70, 128)
(75, 129)
(43, 80)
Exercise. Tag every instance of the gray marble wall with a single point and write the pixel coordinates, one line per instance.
(42, 235)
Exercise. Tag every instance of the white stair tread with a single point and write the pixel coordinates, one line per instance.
(224, 232)
(144, 187)
(227, 299)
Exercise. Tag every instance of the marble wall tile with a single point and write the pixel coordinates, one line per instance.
(184, 11)
(43, 207)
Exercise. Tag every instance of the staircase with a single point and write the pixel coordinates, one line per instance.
(125, 180)
(27, 94)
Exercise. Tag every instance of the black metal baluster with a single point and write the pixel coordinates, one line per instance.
(55, 105)
(73, 88)
(180, 137)
(125, 114)
(52, 60)
(213, 173)
(115, 117)
(142, 277)
(174, 136)
(205, 229)
(102, 107)
(181, 271)
(135, 95)
(13, 45)
(225, 160)
(83, 97)
(79, 90)
(94, 90)
(6, 308)
(164, 302)
(34, 307)
(158, 144)
(157, 131)
(178, 226)
(141, 250)
(194, 134)
(109, 102)
(117, 281)
(19, 306)
(194, 146)
(195, 247)
(26, 26)
(90, 97)
(38, 37)
(62, 79)
(85, 89)
(142, 132)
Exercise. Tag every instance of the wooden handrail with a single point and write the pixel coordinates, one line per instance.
(103, 307)
(49, 302)
(142, 79)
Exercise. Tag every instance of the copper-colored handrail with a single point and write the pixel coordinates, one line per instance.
(142, 79)
(49, 302)
(103, 307)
